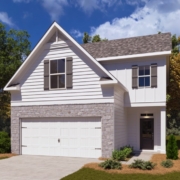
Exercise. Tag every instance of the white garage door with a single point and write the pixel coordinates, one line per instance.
(72, 137)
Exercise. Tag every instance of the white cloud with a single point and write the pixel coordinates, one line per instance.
(155, 16)
(54, 7)
(6, 19)
(76, 33)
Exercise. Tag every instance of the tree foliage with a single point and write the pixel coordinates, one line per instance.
(96, 38)
(173, 97)
(86, 38)
(14, 48)
(173, 90)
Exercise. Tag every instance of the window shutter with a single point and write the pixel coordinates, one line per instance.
(69, 73)
(46, 74)
(153, 75)
(135, 76)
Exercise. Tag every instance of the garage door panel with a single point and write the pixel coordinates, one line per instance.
(79, 137)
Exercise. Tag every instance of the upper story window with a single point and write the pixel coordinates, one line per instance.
(144, 76)
(57, 74)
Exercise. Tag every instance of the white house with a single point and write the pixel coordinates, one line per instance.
(87, 100)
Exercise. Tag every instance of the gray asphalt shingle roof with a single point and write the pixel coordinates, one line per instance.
(130, 46)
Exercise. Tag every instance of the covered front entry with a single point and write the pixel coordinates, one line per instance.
(70, 137)
(146, 128)
(147, 134)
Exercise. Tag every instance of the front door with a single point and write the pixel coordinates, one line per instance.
(147, 134)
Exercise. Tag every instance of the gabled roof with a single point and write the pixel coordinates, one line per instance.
(130, 46)
(68, 37)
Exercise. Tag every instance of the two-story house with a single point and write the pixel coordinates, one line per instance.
(86, 100)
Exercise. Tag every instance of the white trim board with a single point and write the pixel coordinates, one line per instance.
(146, 104)
(134, 56)
(46, 103)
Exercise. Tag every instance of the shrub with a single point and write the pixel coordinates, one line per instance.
(119, 155)
(111, 164)
(5, 145)
(127, 146)
(122, 154)
(167, 163)
(144, 165)
(172, 148)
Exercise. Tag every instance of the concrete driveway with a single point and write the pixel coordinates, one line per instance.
(40, 167)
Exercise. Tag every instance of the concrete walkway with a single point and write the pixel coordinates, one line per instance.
(40, 167)
(146, 156)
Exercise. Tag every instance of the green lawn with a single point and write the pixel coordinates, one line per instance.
(90, 174)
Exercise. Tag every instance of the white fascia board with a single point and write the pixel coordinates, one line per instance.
(113, 83)
(147, 104)
(107, 82)
(134, 56)
(72, 40)
(13, 88)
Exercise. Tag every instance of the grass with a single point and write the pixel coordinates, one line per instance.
(91, 174)
(93, 171)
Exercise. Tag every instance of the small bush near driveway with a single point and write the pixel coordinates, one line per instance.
(167, 163)
(144, 165)
(5, 145)
(110, 164)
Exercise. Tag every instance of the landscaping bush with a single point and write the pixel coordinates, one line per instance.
(127, 146)
(5, 145)
(167, 163)
(119, 155)
(111, 164)
(144, 165)
(172, 148)
(122, 154)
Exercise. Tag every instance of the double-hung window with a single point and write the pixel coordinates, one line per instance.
(144, 77)
(57, 74)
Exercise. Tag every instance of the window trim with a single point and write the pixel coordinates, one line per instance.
(57, 73)
(141, 87)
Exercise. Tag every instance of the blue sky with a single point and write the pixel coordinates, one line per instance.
(111, 19)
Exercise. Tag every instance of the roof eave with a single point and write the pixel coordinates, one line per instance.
(162, 53)
(12, 88)
(104, 83)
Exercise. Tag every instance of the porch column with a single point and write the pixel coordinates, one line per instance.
(163, 130)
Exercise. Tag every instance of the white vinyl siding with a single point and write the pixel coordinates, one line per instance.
(86, 87)
(122, 70)
(120, 120)
(70, 137)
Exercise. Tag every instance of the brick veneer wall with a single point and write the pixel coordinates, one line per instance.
(105, 111)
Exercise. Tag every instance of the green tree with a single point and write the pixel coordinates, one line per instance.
(175, 43)
(96, 38)
(172, 148)
(86, 38)
(14, 48)
(173, 90)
